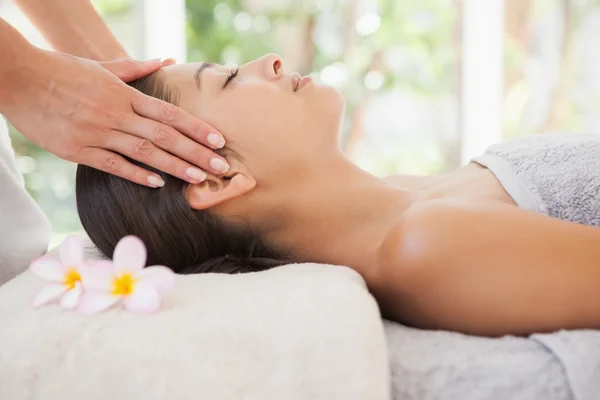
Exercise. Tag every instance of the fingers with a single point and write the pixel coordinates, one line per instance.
(144, 151)
(128, 70)
(112, 163)
(168, 114)
(172, 141)
(168, 61)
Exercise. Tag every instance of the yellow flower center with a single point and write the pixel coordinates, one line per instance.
(71, 278)
(123, 285)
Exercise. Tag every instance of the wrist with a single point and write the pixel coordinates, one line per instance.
(17, 53)
(18, 72)
(117, 54)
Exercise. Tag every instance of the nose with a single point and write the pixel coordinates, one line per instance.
(272, 65)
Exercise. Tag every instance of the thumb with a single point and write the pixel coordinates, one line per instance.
(128, 70)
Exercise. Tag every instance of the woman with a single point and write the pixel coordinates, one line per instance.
(452, 251)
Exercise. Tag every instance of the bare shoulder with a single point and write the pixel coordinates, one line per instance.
(424, 237)
(424, 231)
(429, 253)
(452, 235)
(446, 228)
(444, 254)
(444, 234)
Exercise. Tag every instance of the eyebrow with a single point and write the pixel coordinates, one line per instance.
(198, 72)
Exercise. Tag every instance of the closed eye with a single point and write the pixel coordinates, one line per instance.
(231, 76)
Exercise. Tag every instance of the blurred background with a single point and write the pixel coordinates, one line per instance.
(428, 83)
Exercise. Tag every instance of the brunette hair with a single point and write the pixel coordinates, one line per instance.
(177, 236)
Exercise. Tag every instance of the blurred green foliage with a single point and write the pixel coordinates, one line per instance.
(398, 59)
(111, 8)
(406, 47)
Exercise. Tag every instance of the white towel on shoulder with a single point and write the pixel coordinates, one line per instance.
(24, 230)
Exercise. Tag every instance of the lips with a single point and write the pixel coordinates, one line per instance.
(298, 82)
(303, 82)
(296, 78)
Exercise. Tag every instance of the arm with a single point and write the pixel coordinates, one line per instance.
(15, 52)
(81, 110)
(73, 27)
(491, 270)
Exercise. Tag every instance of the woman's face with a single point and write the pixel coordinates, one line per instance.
(266, 118)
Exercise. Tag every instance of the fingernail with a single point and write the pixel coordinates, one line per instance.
(216, 140)
(196, 174)
(169, 60)
(219, 165)
(156, 181)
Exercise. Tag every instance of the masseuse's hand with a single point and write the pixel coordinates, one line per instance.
(82, 111)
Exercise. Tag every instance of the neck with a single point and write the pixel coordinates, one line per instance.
(332, 213)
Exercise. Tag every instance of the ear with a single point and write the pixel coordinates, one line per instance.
(218, 189)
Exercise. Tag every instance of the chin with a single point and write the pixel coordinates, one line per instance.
(329, 100)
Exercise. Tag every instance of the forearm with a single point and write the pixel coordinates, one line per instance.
(17, 54)
(74, 27)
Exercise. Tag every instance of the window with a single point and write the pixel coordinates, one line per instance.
(552, 71)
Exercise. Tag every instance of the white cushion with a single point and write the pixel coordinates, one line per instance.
(301, 331)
